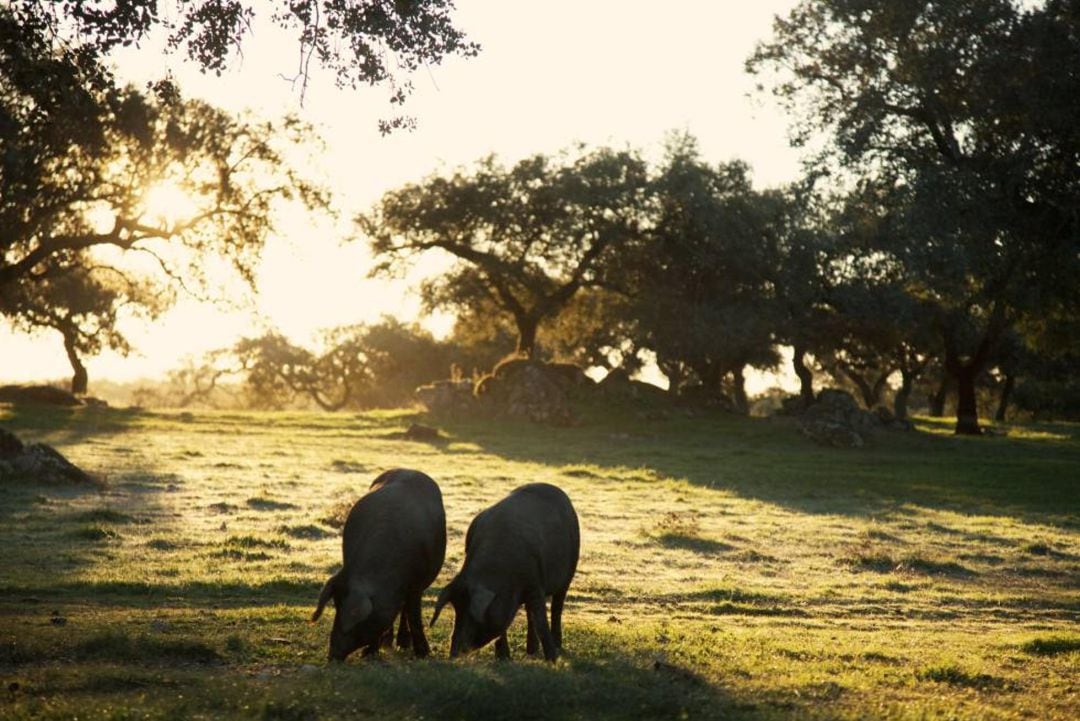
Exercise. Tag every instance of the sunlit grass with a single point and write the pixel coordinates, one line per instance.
(730, 569)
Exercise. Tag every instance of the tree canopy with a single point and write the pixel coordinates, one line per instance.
(702, 293)
(951, 120)
(525, 239)
(80, 166)
(367, 42)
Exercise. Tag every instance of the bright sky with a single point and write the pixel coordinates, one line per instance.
(550, 73)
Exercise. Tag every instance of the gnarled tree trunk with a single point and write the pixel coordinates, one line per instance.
(903, 393)
(967, 410)
(805, 376)
(738, 386)
(1003, 399)
(80, 380)
(527, 327)
(941, 395)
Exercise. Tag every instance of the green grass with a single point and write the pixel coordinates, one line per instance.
(730, 569)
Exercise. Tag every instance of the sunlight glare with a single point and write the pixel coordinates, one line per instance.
(167, 203)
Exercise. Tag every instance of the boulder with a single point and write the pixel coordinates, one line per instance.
(698, 396)
(10, 445)
(835, 419)
(38, 395)
(447, 397)
(618, 384)
(37, 462)
(528, 390)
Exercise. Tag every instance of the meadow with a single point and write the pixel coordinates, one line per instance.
(730, 569)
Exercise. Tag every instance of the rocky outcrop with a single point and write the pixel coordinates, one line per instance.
(835, 419)
(46, 396)
(38, 395)
(528, 390)
(37, 463)
(447, 397)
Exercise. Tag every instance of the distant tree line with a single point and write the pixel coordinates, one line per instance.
(931, 248)
(936, 231)
(376, 365)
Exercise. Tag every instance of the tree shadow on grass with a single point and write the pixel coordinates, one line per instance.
(61, 425)
(1031, 478)
(610, 685)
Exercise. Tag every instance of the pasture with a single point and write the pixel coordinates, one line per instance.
(730, 569)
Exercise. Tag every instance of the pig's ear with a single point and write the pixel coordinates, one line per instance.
(324, 597)
(480, 598)
(444, 598)
(356, 606)
(355, 609)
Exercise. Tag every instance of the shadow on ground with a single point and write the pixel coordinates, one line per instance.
(1032, 478)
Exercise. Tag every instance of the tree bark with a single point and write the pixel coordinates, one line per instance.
(80, 380)
(937, 401)
(1003, 400)
(967, 411)
(527, 328)
(903, 393)
(805, 376)
(738, 386)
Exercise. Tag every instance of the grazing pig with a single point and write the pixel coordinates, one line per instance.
(517, 552)
(393, 546)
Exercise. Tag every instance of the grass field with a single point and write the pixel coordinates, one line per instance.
(730, 569)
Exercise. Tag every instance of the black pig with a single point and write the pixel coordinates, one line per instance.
(517, 552)
(393, 546)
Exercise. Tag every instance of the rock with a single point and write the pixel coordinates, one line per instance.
(699, 397)
(419, 432)
(37, 395)
(37, 462)
(834, 435)
(10, 445)
(835, 419)
(617, 384)
(574, 375)
(529, 390)
(447, 397)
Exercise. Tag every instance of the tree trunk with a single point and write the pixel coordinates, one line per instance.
(903, 393)
(967, 411)
(526, 343)
(879, 387)
(865, 389)
(805, 376)
(937, 401)
(80, 380)
(738, 386)
(1003, 400)
(675, 373)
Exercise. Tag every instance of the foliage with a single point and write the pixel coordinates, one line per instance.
(377, 365)
(947, 115)
(524, 239)
(85, 305)
(707, 262)
(82, 162)
(371, 42)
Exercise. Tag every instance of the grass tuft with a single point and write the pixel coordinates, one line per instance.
(104, 515)
(261, 503)
(954, 675)
(94, 533)
(337, 513)
(309, 532)
(1052, 645)
(122, 647)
